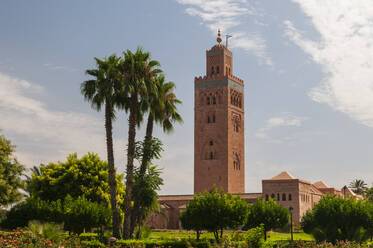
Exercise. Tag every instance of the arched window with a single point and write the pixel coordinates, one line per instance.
(212, 70)
(266, 197)
(278, 196)
(211, 143)
(217, 70)
(273, 196)
(208, 100)
(289, 197)
(284, 197)
(211, 155)
(213, 100)
(213, 118)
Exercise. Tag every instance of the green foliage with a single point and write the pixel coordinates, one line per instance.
(76, 214)
(254, 237)
(10, 174)
(82, 214)
(92, 244)
(214, 211)
(163, 243)
(269, 213)
(51, 231)
(358, 186)
(334, 218)
(78, 177)
(88, 236)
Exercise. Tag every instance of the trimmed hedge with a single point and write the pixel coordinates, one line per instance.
(93, 244)
(163, 243)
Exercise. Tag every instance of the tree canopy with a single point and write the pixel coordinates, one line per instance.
(334, 218)
(214, 211)
(269, 213)
(78, 177)
(10, 174)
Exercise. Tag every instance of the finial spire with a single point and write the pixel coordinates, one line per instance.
(219, 38)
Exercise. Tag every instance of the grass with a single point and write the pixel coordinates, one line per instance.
(274, 236)
(182, 234)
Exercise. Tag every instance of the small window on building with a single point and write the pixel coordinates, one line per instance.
(212, 70)
(208, 100)
(266, 197)
(211, 143)
(273, 196)
(278, 197)
(226, 70)
(217, 70)
(213, 100)
(213, 118)
(229, 70)
(289, 197)
(284, 197)
(211, 155)
(208, 119)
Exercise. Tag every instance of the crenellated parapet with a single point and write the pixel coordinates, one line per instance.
(216, 77)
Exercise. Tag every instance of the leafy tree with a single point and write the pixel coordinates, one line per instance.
(335, 218)
(10, 174)
(269, 213)
(78, 177)
(214, 211)
(103, 91)
(145, 195)
(138, 72)
(358, 186)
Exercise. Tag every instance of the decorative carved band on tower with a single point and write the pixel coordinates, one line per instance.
(219, 145)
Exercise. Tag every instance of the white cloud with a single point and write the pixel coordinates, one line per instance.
(227, 15)
(345, 52)
(285, 119)
(41, 134)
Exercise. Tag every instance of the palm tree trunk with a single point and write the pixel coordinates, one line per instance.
(144, 163)
(130, 157)
(147, 139)
(110, 157)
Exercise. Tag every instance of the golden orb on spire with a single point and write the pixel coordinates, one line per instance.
(219, 38)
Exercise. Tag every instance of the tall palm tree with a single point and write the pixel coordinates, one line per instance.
(358, 186)
(101, 91)
(161, 107)
(138, 71)
(162, 110)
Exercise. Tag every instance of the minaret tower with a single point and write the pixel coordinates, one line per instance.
(219, 143)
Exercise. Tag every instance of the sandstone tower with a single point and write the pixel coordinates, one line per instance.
(219, 146)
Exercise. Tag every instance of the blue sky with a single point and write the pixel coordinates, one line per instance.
(307, 67)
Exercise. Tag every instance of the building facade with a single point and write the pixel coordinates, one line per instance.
(219, 145)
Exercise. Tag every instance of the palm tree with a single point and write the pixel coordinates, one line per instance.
(162, 110)
(103, 91)
(29, 187)
(358, 186)
(138, 72)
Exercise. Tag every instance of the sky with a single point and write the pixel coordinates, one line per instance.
(307, 67)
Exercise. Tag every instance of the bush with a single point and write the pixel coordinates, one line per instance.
(334, 219)
(163, 243)
(88, 236)
(93, 244)
(254, 237)
(76, 214)
(50, 231)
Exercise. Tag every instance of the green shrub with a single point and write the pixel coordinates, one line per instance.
(93, 244)
(163, 243)
(88, 236)
(51, 231)
(254, 237)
